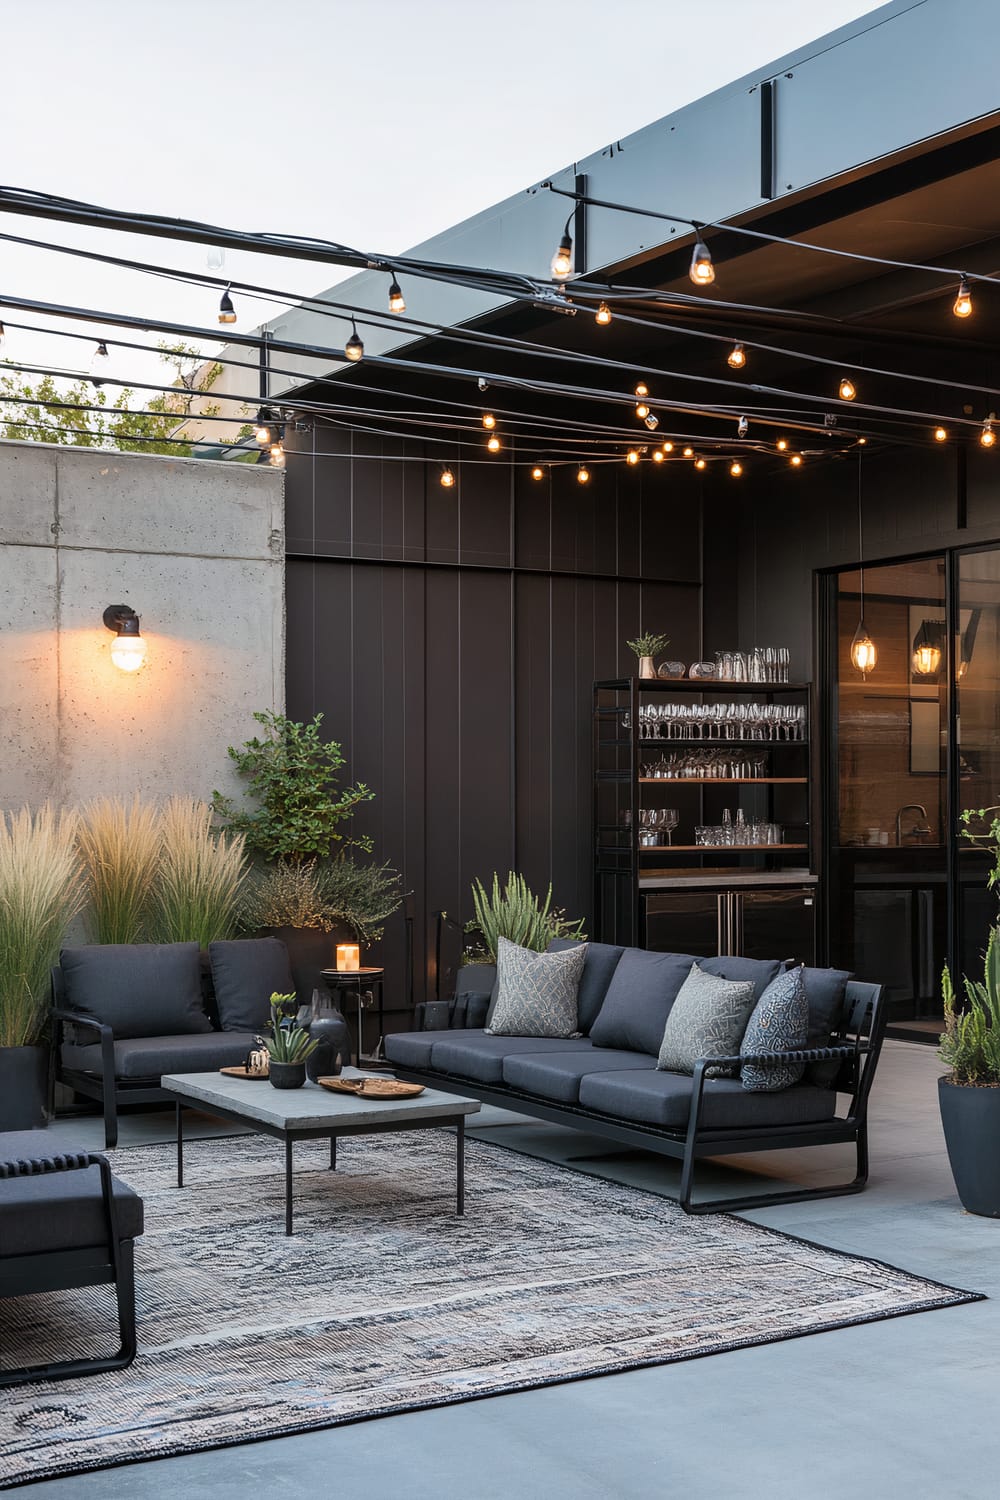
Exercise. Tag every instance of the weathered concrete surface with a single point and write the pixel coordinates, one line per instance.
(197, 549)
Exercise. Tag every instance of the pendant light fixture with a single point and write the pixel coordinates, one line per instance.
(562, 261)
(864, 652)
(397, 302)
(354, 349)
(603, 315)
(926, 651)
(701, 271)
(737, 357)
(227, 312)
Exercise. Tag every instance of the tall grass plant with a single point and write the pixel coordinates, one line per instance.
(41, 890)
(200, 878)
(119, 842)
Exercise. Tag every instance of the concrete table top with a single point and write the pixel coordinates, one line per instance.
(310, 1107)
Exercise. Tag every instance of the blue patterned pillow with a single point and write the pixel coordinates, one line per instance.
(780, 1023)
(536, 992)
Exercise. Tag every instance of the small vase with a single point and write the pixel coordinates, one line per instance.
(671, 669)
(329, 1028)
(647, 667)
(285, 1075)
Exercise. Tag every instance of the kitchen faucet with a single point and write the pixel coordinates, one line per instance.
(917, 827)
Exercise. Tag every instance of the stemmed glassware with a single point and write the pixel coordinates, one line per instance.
(723, 721)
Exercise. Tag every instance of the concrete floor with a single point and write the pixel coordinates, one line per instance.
(905, 1407)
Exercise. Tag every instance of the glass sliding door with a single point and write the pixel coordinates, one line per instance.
(977, 724)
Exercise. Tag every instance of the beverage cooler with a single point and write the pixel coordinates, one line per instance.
(755, 921)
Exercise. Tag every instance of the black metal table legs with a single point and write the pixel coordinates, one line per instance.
(460, 1164)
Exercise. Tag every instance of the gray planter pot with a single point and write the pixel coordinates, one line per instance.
(971, 1120)
(24, 1088)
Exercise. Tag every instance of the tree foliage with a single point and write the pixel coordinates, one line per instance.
(50, 410)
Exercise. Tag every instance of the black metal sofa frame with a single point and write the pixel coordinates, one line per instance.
(61, 1270)
(107, 1090)
(857, 1050)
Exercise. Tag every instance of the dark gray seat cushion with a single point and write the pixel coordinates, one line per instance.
(148, 1058)
(761, 971)
(664, 1100)
(825, 992)
(412, 1049)
(558, 1078)
(598, 966)
(480, 1058)
(245, 974)
(643, 988)
(60, 1211)
(138, 989)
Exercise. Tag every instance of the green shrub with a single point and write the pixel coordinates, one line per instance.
(516, 913)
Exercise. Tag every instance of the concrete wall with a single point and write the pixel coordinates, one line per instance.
(197, 550)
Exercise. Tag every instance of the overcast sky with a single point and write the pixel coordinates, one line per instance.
(374, 122)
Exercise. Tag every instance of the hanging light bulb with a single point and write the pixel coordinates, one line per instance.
(489, 421)
(354, 349)
(796, 460)
(227, 312)
(583, 475)
(926, 652)
(100, 363)
(702, 271)
(848, 390)
(562, 261)
(987, 437)
(689, 453)
(700, 463)
(641, 410)
(668, 447)
(940, 434)
(632, 456)
(493, 445)
(736, 468)
(962, 306)
(782, 445)
(642, 389)
(483, 383)
(862, 442)
(447, 478)
(397, 302)
(659, 456)
(864, 652)
(652, 421)
(215, 257)
(277, 455)
(603, 315)
(262, 430)
(742, 427)
(737, 357)
(538, 472)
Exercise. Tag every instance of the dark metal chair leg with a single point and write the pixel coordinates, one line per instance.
(180, 1144)
(288, 1184)
(110, 1103)
(125, 1292)
(333, 1153)
(460, 1165)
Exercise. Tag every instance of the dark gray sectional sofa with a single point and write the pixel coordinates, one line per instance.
(606, 1080)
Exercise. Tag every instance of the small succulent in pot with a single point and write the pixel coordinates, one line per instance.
(646, 648)
(288, 1044)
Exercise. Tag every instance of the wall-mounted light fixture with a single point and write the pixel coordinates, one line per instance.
(128, 650)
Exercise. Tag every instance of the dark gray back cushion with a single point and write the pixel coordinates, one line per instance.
(643, 988)
(761, 971)
(245, 974)
(138, 989)
(598, 967)
(825, 992)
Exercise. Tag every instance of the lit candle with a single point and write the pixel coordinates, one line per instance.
(348, 958)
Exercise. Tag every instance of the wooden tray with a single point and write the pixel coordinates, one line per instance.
(241, 1072)
(372, 1088)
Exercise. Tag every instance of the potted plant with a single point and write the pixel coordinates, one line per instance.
(289, 1045)
(969, 1094)
(512, 911)
(646, 647)
(306, 887)
(41, 889)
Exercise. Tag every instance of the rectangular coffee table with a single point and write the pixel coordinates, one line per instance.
(311, 1113)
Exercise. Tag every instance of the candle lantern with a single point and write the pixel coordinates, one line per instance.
(348, 958)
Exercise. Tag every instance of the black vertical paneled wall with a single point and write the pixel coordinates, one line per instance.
(451, 638)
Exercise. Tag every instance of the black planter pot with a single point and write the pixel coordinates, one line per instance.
(309, 951)
(330, 1029)
(286, 1075)
(971, 1120)
(24, 1088)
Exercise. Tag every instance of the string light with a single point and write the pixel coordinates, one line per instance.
(632, 456)
(483, 383)
(668, 447)
(963, 302)
(100, 361)
(277, 458)
(262, 430)
(864, 652)
(642, 389)
(562, 261)
(494, 444)
(702, 271)
(699, 463)
(659, 456)
(227, 312)
(447, 477)
(781, 445)
(603, 315)
(354, 349)
(689, 453)
(397, 302)
(742, 427)
(538, 472)
(652, 421)
(796, 460)
(583, 475)
(862, 442)
(641, 410)
(940, 434)
(737, 357)
(988, 437)
(489, 421)
(848, 390)
(736, 468)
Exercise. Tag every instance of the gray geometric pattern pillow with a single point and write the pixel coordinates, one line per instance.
(536, 992)
(707, 1019)
(780, 1023)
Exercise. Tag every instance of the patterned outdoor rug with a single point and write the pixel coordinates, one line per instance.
(384, 1301)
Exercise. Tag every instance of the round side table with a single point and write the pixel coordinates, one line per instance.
(353, 984)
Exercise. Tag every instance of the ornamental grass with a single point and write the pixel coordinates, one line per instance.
(41, 890)
(200, 877)
(120, 843)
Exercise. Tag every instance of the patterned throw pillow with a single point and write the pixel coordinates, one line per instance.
(536, 992)
(707, 1019)
(780, 1023)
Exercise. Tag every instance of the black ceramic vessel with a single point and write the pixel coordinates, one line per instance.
(329, 1028)
(286, 1075)
(971, 1120)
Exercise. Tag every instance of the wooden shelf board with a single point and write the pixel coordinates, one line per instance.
(723, 780)
(716, 848)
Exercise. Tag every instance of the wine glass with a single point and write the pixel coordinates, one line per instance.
(668, 822)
